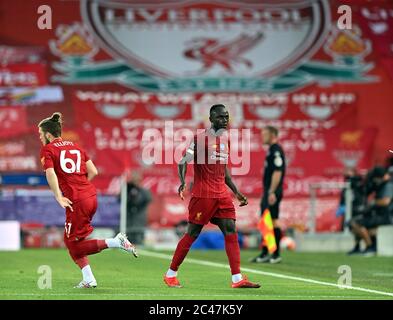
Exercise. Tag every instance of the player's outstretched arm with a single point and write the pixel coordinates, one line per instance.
(53, 182)
(228, 181)
(182, 171)
(91, 170)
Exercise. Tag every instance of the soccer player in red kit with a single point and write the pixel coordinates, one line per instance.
(210, 200)
(69, 171)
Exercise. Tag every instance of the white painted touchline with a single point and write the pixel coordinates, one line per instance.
(383, 274)
(271, 274)
(95, 292)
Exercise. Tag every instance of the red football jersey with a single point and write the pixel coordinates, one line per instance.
(69, 163)
(211, 153)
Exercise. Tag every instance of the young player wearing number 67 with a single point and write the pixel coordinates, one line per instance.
(69, 171)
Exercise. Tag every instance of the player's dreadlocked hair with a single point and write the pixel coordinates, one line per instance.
(52, 124)
(215, 107)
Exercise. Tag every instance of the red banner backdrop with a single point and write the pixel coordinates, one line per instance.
(13, 121)
(317, 133)
(116, 133)
(24, 75)
(377, 24)
(18, 154)
(331, 102)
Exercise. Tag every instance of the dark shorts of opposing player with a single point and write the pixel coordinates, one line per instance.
(78, 222)
(274, 209)
(203, 210)
(373, 219)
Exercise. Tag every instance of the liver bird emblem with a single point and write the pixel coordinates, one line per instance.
(212, 51)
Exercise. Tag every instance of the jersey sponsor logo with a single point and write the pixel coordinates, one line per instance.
(220, 152)
(219, 156)
(208, 46)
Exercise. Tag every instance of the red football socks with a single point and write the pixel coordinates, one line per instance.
(233, 252)
(82, 262)
(181, 251)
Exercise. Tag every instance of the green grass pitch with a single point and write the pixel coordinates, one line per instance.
(121, 276)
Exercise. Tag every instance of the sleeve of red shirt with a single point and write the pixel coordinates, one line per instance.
(46, 158)
(87, 158)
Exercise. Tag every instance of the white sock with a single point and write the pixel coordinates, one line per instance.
(112, 243)
(237, 277)
(170, 273)
(88, 274)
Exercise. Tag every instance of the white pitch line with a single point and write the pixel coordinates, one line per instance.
(382, 274)
(96, 291)
(271, 274)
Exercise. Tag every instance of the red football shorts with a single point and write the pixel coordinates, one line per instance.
(202, 210)
(77, 225)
